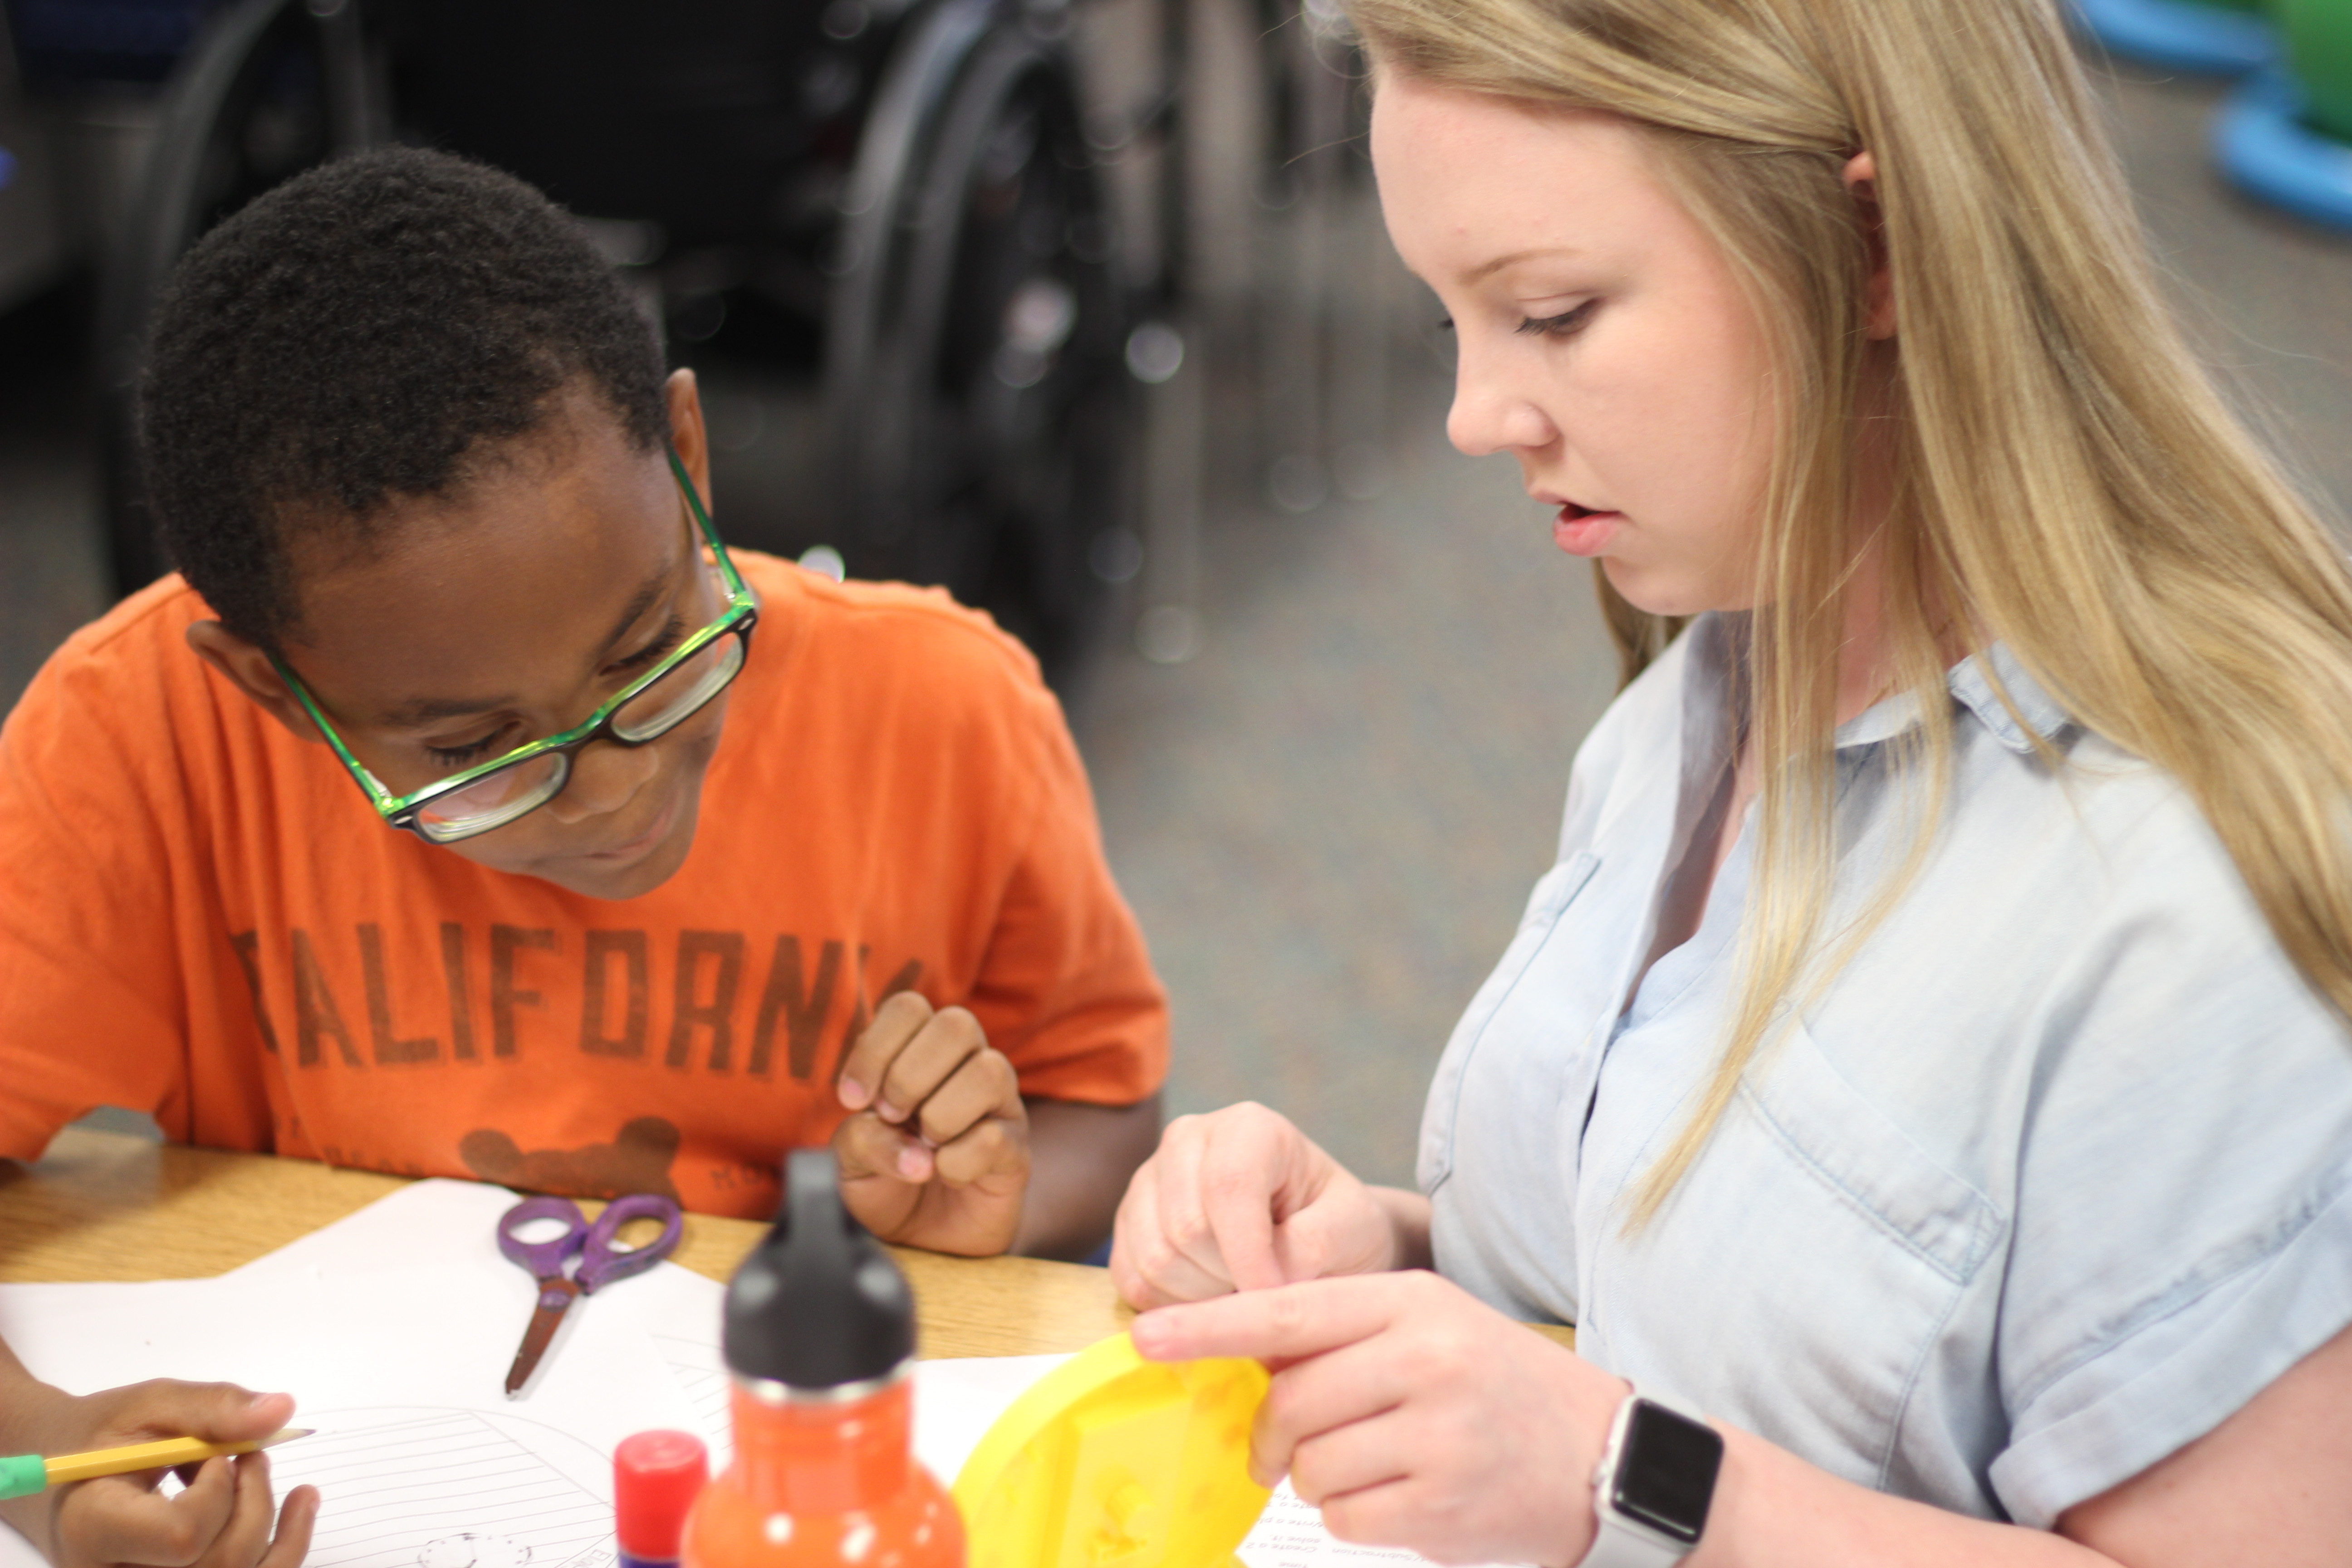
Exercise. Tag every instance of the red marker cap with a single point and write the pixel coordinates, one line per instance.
(655, 1476)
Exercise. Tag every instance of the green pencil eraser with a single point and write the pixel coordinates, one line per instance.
(22, 1474)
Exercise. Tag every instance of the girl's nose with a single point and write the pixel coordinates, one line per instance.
(1489, 415)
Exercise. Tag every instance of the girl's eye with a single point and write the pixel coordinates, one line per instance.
(1560, 326)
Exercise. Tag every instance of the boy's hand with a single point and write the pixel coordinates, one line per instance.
(937, 1153)
(1241, 1200)
(222, 1518)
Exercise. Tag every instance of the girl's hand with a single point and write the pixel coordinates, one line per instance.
(1241, 1200)
(936, 1153)
(1413, 1415)
(223, 1517)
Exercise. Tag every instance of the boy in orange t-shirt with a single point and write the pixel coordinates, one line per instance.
(672, 898)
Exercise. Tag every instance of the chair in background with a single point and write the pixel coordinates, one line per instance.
(895, 200)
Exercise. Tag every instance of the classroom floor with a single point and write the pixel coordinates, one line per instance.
(1328, 818)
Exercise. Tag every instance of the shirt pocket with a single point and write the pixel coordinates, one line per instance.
(1808, 1269)
(1554, 891)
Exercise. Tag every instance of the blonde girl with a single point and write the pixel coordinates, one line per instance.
(1925, 1074)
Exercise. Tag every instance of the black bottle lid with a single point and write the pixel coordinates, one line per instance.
(818, 1303)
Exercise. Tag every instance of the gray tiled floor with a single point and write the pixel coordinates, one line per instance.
(1328, 819)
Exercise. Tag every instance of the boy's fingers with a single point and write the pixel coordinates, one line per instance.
(896, 1022)
(984, 1086)
(868, 1146)
(216, 1412)
(241, 1540)
(295, 1519)
(951, 1039)
(997, 1147)
(117, 1520)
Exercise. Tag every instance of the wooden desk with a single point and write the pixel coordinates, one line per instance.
(105, 1205)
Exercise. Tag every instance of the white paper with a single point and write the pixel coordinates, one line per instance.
(453, 1488)
(1290, 1534)
(455, 1224)
(431, 1222)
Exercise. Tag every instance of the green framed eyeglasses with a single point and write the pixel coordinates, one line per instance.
(495, 792)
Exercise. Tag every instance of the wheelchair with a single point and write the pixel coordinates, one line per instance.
(903, 202)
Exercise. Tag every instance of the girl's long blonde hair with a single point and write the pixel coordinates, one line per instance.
(2069, 480)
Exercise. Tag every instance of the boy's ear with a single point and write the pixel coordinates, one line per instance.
(249, 670)
(687, 436)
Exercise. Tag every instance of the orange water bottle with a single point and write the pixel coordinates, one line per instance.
(820, 1338)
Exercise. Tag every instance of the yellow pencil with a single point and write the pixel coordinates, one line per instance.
(25, 1474)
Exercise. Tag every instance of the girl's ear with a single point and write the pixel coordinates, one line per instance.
(249, 670)
(687, 436)
(1861, 178)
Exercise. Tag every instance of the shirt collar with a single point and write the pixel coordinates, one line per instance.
(2039, 717)
(2041, 714)
(1718, 647)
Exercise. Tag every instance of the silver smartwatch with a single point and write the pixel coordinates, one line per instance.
(1652, 1488)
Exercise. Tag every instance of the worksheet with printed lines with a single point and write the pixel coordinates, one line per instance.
(442, 1488)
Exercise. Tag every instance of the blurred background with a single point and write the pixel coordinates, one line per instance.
(1082, 309)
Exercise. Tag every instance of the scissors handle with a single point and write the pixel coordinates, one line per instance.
(545, 1260)
(601, 1263)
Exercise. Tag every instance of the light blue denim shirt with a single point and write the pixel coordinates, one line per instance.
(2049, 1182)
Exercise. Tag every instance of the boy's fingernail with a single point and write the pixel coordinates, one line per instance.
(910, 1164)
(853, 1093)
(887, 1111)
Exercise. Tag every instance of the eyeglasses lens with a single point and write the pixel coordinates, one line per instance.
(664, 704)
(493, 799)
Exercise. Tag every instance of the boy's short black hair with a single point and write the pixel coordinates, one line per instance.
(352, 336)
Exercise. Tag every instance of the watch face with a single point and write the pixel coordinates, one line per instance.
(1667, 1477)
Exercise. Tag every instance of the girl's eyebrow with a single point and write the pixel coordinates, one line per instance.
(1486, 269)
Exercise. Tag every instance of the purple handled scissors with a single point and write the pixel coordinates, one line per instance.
(600, 1262)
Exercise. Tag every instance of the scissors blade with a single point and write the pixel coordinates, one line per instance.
(555, 1298)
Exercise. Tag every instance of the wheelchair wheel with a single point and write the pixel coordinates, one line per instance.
(270, 88)
(976, 377)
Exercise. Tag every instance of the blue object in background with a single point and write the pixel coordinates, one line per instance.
(2267, 151)
(60, 41)
(7, 168)
(2180, 35)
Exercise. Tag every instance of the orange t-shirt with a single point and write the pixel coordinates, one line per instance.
(202, 917)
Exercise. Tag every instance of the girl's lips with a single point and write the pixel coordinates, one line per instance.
(1583, 532)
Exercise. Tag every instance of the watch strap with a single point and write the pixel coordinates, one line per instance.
(1620, 1542)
